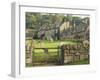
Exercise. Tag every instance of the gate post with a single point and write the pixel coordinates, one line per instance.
(62, 56)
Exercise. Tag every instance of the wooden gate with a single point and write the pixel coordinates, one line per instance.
(45, 56)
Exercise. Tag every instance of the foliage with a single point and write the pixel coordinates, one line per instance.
(38, 20)
(50, 24)
(76, 20)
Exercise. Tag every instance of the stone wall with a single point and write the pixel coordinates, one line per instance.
(74, 52)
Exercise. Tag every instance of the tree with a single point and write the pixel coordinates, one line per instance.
(30, 20)
(77, 20)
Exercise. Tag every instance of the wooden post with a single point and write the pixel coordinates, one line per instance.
(62, 56)
(31, 52)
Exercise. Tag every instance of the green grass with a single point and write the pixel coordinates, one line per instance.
(49, 44)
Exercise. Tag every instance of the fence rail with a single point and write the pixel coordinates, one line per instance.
(48, 57)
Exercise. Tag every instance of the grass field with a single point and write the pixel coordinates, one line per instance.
(49, 44)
